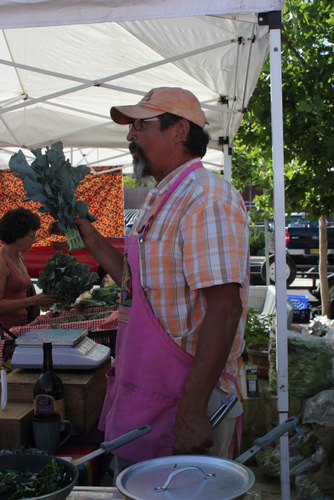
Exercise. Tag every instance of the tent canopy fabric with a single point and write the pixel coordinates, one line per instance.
(65, 63)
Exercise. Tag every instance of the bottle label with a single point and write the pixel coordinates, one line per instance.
(44, 403)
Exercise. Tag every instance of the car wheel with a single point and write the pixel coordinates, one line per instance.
(291, 270)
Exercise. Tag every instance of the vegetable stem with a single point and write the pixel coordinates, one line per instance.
(73, 238)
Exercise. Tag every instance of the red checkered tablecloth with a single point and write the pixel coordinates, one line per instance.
(110, 322)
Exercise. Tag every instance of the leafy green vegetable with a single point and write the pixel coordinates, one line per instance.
(16, 484)
(66, 277)
(269, 460)
(310, 361)
(52, 181)
(257, 328)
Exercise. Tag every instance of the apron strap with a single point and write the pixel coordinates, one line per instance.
(168, 193)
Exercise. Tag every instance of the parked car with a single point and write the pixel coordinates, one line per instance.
(302, 245)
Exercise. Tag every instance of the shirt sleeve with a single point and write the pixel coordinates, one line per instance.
(216, 245)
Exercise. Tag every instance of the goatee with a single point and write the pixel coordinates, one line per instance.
(141, 168)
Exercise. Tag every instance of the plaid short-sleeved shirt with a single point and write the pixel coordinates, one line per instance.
(199, 239)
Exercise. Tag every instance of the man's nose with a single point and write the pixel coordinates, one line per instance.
(131, 133)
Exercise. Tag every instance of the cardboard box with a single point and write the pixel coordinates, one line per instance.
(16, 426)
(84, 392)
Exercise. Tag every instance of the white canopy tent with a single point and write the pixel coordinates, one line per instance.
(64, 63)
(59, 76)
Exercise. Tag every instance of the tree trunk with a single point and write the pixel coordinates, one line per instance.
(324, 289)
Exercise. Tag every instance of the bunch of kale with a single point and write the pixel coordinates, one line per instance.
(52, 181)
(65, 276)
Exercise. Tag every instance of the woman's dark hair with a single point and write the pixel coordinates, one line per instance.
(17, 223)
(197, 140)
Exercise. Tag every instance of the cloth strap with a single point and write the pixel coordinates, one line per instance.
(168, 193)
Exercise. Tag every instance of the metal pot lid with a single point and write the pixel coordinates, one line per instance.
(185, 476)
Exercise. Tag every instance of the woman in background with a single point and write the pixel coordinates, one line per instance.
(18, 228)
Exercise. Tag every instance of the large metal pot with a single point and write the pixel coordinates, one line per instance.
(185, 476)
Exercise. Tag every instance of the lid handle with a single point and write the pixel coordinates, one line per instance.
(173, 474)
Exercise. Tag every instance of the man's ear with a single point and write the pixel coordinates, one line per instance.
(181, 130)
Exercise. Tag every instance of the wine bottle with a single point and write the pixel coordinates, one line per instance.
(49, 388)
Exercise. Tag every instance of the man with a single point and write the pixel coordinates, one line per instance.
(184, 287)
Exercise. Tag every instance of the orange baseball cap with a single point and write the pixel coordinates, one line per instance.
(173, 100)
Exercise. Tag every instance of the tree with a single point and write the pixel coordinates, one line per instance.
(308, 106)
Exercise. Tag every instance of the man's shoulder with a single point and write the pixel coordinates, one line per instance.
(214, 183)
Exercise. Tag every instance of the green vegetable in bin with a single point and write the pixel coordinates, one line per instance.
(105, 296)
(66, 277)
(310, 361)
(52, 181)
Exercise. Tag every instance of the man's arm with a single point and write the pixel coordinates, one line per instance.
(99, 247)
(224, 308)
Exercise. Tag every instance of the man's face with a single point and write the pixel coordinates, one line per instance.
(151, 148)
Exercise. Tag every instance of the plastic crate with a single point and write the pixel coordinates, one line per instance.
(301, 310)
(105, 337)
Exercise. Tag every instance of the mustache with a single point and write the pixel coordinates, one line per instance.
(134, 148)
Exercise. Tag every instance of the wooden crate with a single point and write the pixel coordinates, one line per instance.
(16, 426)
(84, 392)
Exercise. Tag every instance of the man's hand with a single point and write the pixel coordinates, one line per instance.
(192, 435)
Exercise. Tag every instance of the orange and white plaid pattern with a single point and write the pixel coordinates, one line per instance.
(199, 239)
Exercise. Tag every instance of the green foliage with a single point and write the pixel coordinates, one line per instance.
(129, 181)
(52, 181)
(257, 329)
(308, 106)
(256, 241)
(66, 277)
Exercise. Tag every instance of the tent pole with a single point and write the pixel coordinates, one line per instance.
(227, 162)
(279, 215)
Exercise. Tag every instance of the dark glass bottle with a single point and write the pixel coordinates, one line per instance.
(48, 388)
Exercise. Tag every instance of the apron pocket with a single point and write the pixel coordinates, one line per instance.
(127, 407)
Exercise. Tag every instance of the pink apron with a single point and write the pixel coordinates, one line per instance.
(150, 369)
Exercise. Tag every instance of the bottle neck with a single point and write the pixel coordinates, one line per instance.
(47, 357)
